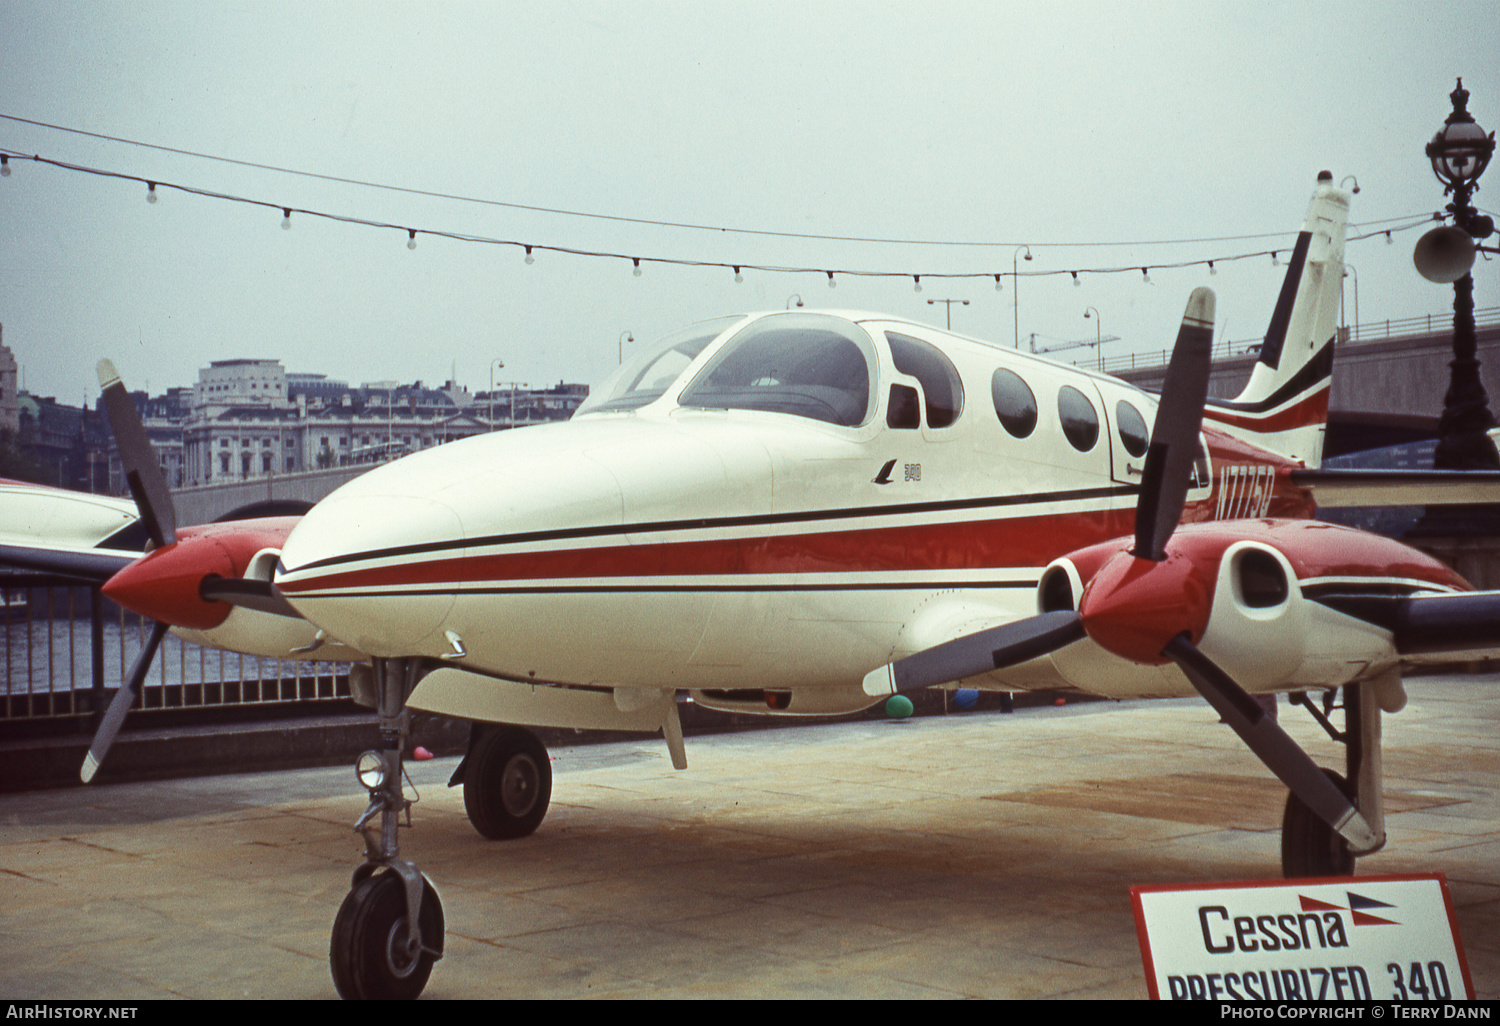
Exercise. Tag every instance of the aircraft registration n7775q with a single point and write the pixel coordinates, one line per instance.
(802, 513)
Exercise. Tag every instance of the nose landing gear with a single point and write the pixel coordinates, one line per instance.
(389, 929)
(374, 953)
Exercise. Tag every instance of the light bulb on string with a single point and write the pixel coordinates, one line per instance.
(637, 262)
(1145, 276)
(411, 238)
(831, 283)
(150, 192)
(998, 286)
(916, 283)
(1076, 282)
(1211, 268)
(1275, 259)
(738, 277)
(4, 166)
(286, 218)
(529, 258)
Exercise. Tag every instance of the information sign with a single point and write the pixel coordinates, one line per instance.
(1381, 938)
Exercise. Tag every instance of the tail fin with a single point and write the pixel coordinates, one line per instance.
(1284, 406)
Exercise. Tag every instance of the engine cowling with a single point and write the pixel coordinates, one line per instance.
(1236, 590)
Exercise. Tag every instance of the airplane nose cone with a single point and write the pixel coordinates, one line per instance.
(363, 567)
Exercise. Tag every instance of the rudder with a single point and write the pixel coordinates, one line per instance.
(1284, 406)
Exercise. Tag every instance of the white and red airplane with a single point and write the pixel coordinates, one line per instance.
(802, 513)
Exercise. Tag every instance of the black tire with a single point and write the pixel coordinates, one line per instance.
(366, 954)
(507, 783)
(1309, 846)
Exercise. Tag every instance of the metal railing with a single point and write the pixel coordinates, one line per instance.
(64, 648)
(1349, 334)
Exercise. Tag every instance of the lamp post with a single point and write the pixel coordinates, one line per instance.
(1350, 271)
(497, 362)
(948, 305)
(1459, 153)
(1098, 336)
(1015, 284)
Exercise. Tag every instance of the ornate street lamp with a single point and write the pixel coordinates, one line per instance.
(1459, 152)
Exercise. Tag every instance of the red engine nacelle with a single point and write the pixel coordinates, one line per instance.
(164, 583)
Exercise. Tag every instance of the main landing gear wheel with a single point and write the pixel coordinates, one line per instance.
(507, 783)
(1309, 846)
(369, 953)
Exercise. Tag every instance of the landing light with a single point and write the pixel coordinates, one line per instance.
(370, 769)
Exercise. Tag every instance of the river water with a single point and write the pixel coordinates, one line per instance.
(48, 648)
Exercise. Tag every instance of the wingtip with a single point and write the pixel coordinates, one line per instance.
(107, 373)
(90, 767)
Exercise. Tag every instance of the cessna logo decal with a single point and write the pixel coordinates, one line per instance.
(1356, 909)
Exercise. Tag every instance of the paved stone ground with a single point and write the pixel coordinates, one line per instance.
(983, 855)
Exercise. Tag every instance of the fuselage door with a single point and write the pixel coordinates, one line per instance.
(1130, 415)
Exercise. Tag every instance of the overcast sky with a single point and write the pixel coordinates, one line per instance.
(1062, 126)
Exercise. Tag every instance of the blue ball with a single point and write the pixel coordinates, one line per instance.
(965, 698)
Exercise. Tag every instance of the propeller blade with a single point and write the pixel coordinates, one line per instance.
(251, 594)
(120, 705)
(1174, 438)
(142, 469)
(977, 653)
(1272, 744)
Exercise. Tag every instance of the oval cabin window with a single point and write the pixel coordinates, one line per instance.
(1080, 421)
(1134, 434)
(1015, 403)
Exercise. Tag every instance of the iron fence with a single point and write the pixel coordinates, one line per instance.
(64, 647)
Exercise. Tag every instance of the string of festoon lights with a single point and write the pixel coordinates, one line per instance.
(531, 249)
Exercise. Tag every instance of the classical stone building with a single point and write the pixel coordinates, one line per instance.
(250, 418)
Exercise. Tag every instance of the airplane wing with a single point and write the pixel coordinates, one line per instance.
(88, 565)
(1354, 487)
(74, 534)
(1463, 625)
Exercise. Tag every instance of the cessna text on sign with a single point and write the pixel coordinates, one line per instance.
(1354, 939)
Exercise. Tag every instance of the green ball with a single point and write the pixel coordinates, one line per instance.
(899, 707)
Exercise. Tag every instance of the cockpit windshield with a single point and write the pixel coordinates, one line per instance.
(650, 372)
(809, 365)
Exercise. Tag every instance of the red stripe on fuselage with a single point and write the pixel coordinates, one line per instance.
(1304, 413)
(1016, 542)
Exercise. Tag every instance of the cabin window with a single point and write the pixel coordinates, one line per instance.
(941, 386)
(903, 411)
(1015, 403)
(1080, 421)
(1134, 434)
(807, 365)
(652, 369)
